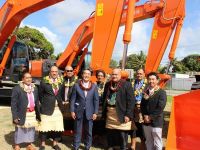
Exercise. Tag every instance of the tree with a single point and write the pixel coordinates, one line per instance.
(178, 66)
(135, 61)
(113, 63)
(192, 62)
(35, 39)
(58, 55)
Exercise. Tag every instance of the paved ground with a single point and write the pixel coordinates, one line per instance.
(175, 92)
(7, 130)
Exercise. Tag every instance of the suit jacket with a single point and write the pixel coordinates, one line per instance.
(48, 98)
(80, 104)
(125, 100)
(19, 103)
(154, 107)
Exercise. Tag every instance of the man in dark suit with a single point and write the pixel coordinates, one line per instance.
(25, 111)
(152, 106)
(51, 91)
(69, 81)
(84, 108)
(118, 110)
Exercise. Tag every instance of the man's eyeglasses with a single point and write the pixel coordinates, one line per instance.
(69, 70)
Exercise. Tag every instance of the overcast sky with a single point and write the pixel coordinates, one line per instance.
(59, 22)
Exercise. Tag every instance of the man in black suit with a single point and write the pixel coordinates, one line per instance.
(25, 111)
(51, 90)
(118, 110)
(84, 108)
(152, 106)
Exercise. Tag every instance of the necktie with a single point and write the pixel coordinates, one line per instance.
(31, 101)
(55, 88)
(67, 90)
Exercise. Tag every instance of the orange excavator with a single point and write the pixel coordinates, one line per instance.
(16, 55)
(102, 27)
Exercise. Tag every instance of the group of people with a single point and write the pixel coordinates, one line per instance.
(135, 109)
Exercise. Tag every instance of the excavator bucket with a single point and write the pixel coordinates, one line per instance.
(184, 133)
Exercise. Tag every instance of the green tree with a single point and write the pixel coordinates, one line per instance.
(192, 62)
(58, 55)
(35, 39)
(135, 61)
(178, 66)
(113, 63)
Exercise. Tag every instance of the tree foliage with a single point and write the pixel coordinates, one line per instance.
(113, 63)
(189, 63)
(135, 61)
(35, 39)
(192, 62)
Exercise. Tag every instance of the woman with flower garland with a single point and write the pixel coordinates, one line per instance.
(25, 111)
(152, 106)
(51, 90)
(118, 110)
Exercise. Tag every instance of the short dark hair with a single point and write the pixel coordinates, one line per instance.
(153, 74)
(100, 71)
(24, 73)
(89, 69)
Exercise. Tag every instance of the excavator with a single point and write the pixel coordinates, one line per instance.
(102, 28)
(16, 55)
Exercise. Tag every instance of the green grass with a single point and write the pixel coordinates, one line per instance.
(169, 99)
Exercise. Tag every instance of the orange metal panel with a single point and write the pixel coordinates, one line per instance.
(184, 133)
(105, 32)
(141, 12)
(164, 23)
(35, 68)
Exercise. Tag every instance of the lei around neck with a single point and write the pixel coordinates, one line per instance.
(25, 89)
(138, 91)
(55, 85)
(116, 87)
(147, 96)
(84, 88)
(71, 82)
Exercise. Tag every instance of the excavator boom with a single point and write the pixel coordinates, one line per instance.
(14, 11)
(103, 28)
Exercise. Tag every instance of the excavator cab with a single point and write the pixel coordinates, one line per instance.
(17, 62)
(20, 56)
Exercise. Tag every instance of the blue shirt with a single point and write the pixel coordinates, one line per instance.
(138, 85)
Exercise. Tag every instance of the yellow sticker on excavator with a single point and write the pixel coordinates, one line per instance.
(154, 34)
(100, 9)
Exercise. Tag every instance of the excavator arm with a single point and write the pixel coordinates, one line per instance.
(14, 11)
(103, 28)
(11, 14)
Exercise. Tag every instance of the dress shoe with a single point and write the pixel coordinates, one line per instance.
(30, 147)
(16, 147)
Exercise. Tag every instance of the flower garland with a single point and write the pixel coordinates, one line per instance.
(151, 93)
(100, 87)
(117, 86)
(71, 83)
(55, 85)
(84, 88)
(138, 91)
(27, 90)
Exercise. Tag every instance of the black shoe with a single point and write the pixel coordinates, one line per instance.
(56, 147)
(42, 148)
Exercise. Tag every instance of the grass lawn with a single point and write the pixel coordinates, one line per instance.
(169, 99)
